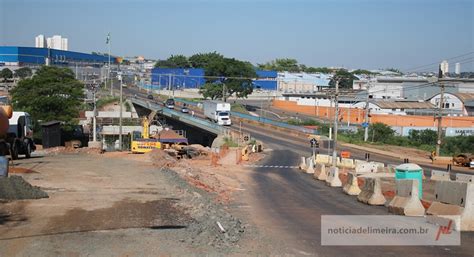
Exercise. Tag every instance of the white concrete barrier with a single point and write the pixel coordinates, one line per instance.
(406, 201)
(322, 173)
(310, 165)
(346, 163)
(359, 162)
(333, 177)
(322, 158)
(439, 175)
(303, 163)
(338, 160)
(464, 177)
(372, 192)
(352, 185)
(366, 167)
(454, 201)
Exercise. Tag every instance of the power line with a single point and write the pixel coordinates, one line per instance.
(437, 63)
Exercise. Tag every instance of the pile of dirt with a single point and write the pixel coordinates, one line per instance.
(161, 159)
(212, 225)
(15, 188)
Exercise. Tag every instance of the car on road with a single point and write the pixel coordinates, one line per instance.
(471, 165)
(169, 103)
(150, 97)
(185, 109)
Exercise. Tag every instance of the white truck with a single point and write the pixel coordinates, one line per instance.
(20, 135)
(218, 112)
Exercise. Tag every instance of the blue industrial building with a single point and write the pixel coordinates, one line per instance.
(30, 56)
(195, 78)
(180, 77)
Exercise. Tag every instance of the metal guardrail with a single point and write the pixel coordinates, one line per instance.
(275, 123)
(186, 118)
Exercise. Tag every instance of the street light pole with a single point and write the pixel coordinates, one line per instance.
(336, 114)
(366, 120)
(121, 107)
(94, 117)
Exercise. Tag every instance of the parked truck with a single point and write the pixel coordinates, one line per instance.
(16, 133)
(218, 112)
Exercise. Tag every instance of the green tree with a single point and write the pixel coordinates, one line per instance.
(51, 94)
(174, 61)
(365, 72)
(423, 137)
(394, 70)
(6, 74)
(345, 79)
(235, 75)
(318, 70)
(23, 72)
(201, 60)
(284, 64)
(380, 132)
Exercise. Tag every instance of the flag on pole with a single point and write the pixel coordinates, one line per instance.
(108, 38)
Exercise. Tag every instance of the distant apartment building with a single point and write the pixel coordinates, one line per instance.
(457, 68)
(444, 66)
(40, 41)
(54, 42)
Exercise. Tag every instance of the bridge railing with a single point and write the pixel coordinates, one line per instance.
(181, 116)
(275, 123)
(260, 119)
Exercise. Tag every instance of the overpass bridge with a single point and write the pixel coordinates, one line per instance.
(181, 117)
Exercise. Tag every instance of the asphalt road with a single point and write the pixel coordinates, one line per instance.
(295, 202)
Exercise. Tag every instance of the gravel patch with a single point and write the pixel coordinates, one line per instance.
(16, 188)
(212, 225)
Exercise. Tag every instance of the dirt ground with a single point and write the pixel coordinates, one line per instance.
(120, 204)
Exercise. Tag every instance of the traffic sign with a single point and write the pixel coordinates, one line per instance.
(365, 124)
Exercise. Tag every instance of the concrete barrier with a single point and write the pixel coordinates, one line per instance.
(322, 158)
(338, 160)
(454, 201)
(407, 199)
(464, 177)
(352, 185)
(333, 177)
(366, 167)
(323, 173)
(310, 165)
(346, 163)
(359, 162)
(371, 193)
(303, 163)
(439, 175)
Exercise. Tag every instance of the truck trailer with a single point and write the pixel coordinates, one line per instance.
(218, 112)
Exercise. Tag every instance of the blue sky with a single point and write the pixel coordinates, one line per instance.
(356, 34)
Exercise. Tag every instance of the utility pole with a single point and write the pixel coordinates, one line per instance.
(330, 126)
(336, 114)
(366, 120)
(223, 92)
(169, 85)
(440, 117)
(94, 117)
(120, 117)
(108, 73)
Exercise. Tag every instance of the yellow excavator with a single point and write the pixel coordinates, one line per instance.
(143, 143)
(165, 139)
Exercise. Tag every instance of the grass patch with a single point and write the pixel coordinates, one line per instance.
(235, 107)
